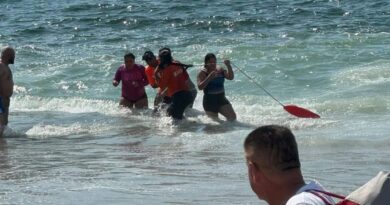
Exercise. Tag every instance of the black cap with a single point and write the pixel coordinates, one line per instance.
(165, 49)
(148, 55)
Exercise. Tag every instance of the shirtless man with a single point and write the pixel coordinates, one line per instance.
(6, 85)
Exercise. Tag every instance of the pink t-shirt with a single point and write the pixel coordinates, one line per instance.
(133, 81)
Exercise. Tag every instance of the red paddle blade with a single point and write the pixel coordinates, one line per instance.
(300, 112)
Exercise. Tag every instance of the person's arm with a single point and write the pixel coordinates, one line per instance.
(153, 84)
(6, 84)
(149, 71)
(145, 81)
(229, 74)
(117, 78)
(162, 81)
(204, 79)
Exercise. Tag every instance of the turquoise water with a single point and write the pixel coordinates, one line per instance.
(68, 142)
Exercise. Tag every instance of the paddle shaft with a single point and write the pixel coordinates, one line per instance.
(256, 83)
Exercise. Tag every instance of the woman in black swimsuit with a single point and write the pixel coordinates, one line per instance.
(211, 80)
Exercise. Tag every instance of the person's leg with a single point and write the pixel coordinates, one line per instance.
(228, 112)
(142, 103)
(210, 106)
(167, 100)
(212, 115)
(180, 101)
(161, 104)
(125, 103)
(158, 99)
(5, 102)
(2, 123)
(194, 93)
(4, 111)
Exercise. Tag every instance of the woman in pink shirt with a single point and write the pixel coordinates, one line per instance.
(134, 80)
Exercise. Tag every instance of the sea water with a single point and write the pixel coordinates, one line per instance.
(68, 142)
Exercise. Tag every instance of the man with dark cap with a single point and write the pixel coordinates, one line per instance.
(152, 64)
(172, 80)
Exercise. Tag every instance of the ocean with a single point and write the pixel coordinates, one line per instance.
(68, 142)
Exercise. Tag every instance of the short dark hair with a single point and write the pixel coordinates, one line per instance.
(148, 55)
(275, 145)
(129, 55)
(208, 57)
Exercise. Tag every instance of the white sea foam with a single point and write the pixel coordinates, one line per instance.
(46, 131)
(68, 105)
(252, 114)
(374, 73)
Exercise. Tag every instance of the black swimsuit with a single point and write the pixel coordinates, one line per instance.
(214, 94)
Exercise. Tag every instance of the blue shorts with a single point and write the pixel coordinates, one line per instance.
(2, 110)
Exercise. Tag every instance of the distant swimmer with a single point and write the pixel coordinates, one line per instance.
(211, 80)
(172, 79)
(6, 85)
(134, 80)
(152, 62)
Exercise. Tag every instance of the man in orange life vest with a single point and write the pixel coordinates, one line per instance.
(173, 80)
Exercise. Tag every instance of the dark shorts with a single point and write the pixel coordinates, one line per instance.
(2, 109)
(194, 93)
(140, 98)
(180, 101)
(213, 102)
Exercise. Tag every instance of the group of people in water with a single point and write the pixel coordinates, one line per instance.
(271, 151)
(175, 90)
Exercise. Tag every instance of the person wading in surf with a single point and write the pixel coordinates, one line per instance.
(211, 80)
(152, 62)
(134, 80)
(173, 80)
(6, 85)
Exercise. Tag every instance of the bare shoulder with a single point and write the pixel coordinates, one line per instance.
(3, 69)
(202, 73)
(5, 72)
